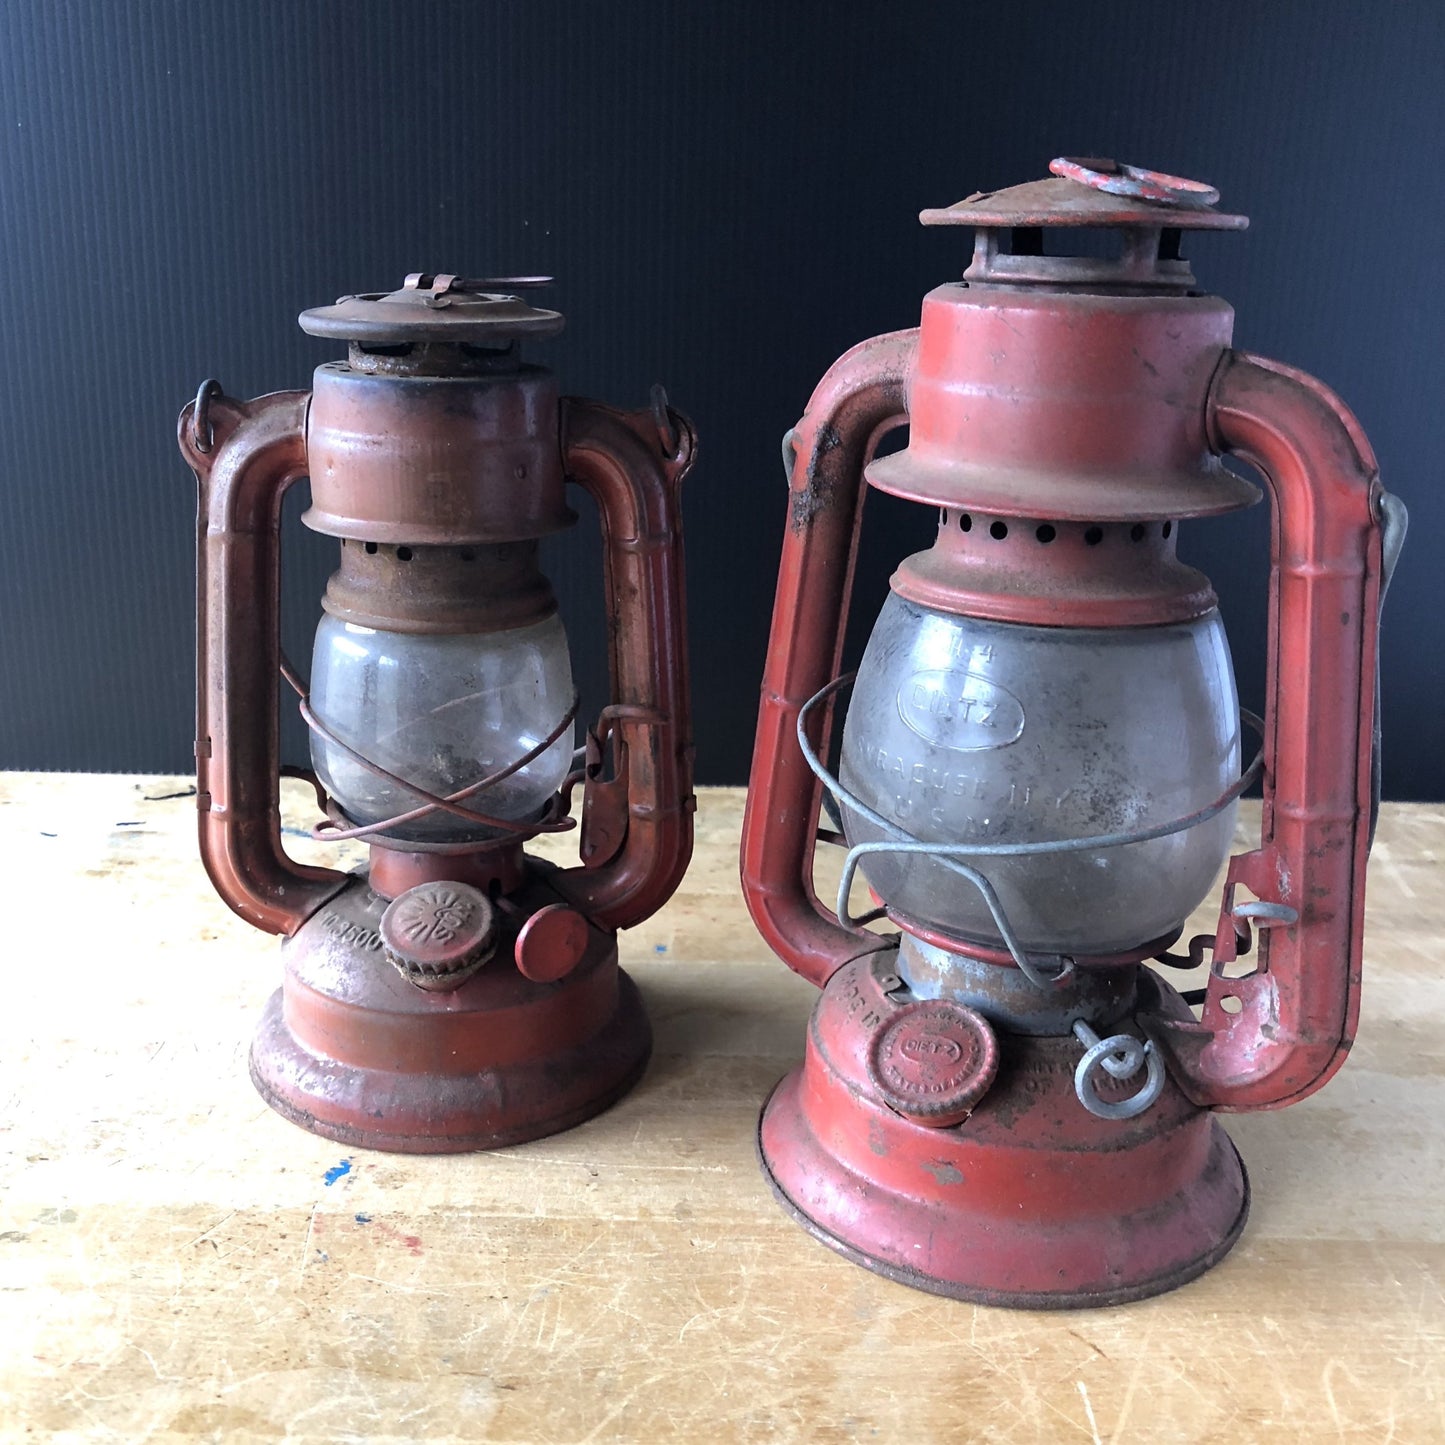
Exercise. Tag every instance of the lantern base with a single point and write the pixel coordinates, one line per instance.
(1031, 1202)
(350, 1050)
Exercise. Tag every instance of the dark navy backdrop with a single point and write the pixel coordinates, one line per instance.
(727, 192)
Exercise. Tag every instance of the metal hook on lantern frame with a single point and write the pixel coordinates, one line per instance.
(330, 831)
(203, 434)
(950, 855)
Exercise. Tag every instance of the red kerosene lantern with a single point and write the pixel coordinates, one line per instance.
(457, 993)
(1041, 757)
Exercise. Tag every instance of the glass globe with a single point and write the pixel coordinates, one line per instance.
(442, 712)
(964, 730)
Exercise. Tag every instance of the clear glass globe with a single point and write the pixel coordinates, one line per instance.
(441, 712)
(962, 730)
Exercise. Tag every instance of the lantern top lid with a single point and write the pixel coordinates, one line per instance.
(430, 308)
(1093, 192)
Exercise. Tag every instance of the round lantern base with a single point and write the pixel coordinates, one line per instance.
(1031, 1202)
(350, 1050)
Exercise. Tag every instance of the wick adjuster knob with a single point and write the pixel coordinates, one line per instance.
(551, 943)
(437, 935)
(932, 1062)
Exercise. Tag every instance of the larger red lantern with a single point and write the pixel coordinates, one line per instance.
(1041, 757)
(457, 993)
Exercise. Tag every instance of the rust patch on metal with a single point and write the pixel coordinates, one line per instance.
(943, 1172)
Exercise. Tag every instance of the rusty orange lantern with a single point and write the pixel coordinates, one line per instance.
(457, 993)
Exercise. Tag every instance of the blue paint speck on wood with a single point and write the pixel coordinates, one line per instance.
(363, 1219)
(336, 1171)
(659, 948)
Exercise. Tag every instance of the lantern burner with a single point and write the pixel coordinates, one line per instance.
(1147, 210)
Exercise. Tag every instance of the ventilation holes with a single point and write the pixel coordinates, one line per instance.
(1230, 1004)
(965, 522)
(403, 554)
(1136, 532)
(371, 549)
(1045, 533)
(1094, 536)
(468, 555)
(1168, 528)
(998, 531)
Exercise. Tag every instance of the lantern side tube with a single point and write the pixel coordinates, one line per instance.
(861, 398)
(1297, 1012)
(619, 458)
(257, 449)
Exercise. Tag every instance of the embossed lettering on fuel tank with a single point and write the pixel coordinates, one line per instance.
(951, 708)
(932, 1046)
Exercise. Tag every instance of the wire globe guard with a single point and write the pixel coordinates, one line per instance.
(349, 1049)
(995, 1209)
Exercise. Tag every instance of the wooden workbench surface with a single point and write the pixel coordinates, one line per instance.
(178, 1263)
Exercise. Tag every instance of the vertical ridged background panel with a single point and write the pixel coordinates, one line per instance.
(728, 196)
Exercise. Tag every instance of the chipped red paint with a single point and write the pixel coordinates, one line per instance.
(1048, 394)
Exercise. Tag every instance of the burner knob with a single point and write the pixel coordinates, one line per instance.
(437, 935)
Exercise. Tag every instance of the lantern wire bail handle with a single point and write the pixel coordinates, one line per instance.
(203, 434)
(951, 855)
(1135, 182)
(1394, 523)
(667, 432)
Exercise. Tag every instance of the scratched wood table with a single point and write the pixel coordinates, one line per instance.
(177, 1263)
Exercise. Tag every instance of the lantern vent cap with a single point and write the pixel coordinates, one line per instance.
(1093, 192)
(437, 308)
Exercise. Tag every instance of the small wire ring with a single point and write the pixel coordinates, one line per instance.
(1102, 1055)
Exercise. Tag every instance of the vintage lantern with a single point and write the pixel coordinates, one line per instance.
(457, 993)
(1041, 756)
